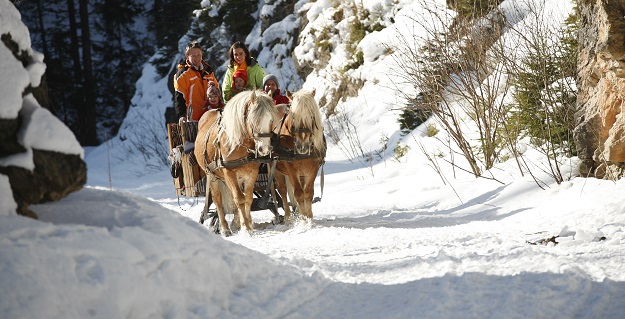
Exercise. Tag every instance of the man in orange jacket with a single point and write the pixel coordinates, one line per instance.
(191, 82)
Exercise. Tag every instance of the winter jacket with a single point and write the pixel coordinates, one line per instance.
(190, 87)
(255, 75)
(278, 98)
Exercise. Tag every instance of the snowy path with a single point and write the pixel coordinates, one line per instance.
(437, 265)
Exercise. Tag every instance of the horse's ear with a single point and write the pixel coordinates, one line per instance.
(253, 96)
(288, 94)
(313, 91)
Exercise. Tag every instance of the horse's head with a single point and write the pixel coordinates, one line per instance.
(305, 123)
(248, 120)
(302, 140)
(262, 117)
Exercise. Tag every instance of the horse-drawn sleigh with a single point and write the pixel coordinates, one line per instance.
(250, 148)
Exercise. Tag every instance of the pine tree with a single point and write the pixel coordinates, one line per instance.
(94, 52)
(121, 51)
(169, 21)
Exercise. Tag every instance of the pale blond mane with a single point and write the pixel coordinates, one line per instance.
(238, 119)
(305, 114)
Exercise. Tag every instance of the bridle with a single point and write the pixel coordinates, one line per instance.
(263, 135)
(256, 136)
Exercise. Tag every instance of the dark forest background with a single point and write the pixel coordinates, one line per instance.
(95, 50)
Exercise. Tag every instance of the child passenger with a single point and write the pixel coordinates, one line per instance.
(213, 98)
(272, 87)
(239, 79)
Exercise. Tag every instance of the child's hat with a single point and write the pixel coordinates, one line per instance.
(240, 73)
(213, 89)
(270, 77)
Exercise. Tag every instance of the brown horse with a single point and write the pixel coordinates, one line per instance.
(303, 152)
(228, 146)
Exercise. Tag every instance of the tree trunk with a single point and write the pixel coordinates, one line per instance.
(87, 110)
(74, 48)
(44, 44)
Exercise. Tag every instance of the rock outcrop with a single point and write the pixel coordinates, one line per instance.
(55, 176)
(600, 130)
(39, 154)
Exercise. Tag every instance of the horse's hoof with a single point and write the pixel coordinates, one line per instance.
(278, 220)
(227, 233)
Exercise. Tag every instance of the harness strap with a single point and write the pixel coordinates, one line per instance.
(272, 169)
(210, 129)
(261, 135)
(288, 155)
(251, 158)
(322, 178)
(323, 162)
(218, 162)
(321, 182)
(275, 200)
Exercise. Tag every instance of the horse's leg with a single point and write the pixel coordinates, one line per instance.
(281, 188)
(248, 177)
(306, 198)
(239, 197)
(218, 199)
(297, 183)
(310, 167)
(289, 191)
(309, 192)
(248, 191)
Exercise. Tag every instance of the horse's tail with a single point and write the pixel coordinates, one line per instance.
(227, 199)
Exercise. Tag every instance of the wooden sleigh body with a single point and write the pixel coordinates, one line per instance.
(190, 180)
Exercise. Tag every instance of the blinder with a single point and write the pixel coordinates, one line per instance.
(261, 135)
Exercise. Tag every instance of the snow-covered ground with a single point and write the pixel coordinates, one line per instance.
(389, 239)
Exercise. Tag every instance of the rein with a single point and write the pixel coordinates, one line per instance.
(251, 158)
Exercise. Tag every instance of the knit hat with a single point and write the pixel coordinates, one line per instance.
(271, 77)
(213, 89)
(240, 73)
